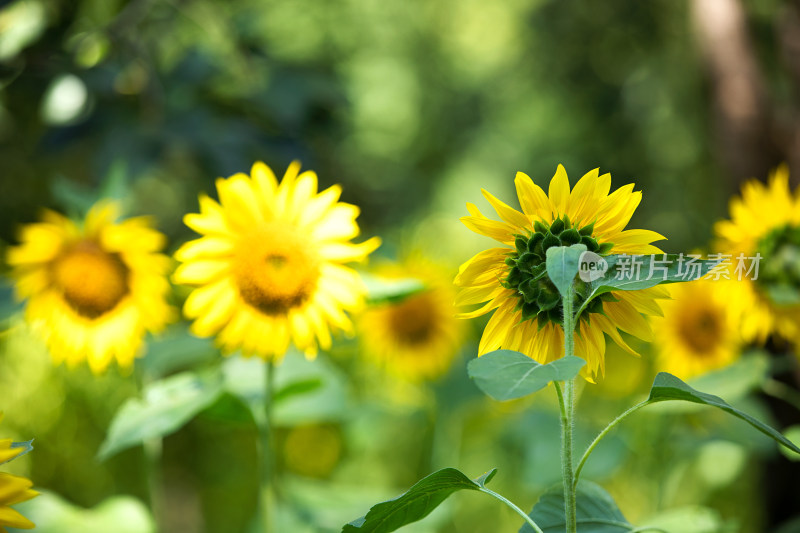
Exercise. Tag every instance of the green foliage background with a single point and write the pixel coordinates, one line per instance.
(413, 106)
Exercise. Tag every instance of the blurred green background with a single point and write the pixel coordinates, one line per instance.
(413, 107)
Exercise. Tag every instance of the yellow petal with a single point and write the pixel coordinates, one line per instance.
(532, 198)
(559, 191)
(506, 212)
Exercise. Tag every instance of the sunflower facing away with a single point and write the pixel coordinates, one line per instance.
(698, 331)
(269, 268)
(528, 314)
(764, 220)
(94, 289)
(417, 337)
(13, 490)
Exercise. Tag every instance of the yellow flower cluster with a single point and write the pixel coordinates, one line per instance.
(270, 270)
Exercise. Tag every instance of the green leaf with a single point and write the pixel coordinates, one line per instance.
(175, 350)
(596, 511)
(668, 387)
(166, 406)
(387, 290)
(507, 375)
(297, 388)
(637, 272)
(305, 391)
(562, 266)
(417, 502)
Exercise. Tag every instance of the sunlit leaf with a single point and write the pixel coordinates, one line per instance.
(507, 375)
(416, 503)
(166, 406)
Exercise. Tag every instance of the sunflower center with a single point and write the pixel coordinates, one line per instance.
(527, 269)
(92, 280)
(274, 269)
(701, 330)
(779, 268)
(413, 321)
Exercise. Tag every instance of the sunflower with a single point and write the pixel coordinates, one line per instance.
(94, 289)
(416, 337)
(765, 220)
(13, 489)
(269, 268)
(698, 332)
(528, 314)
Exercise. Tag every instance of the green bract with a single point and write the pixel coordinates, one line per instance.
(528, 274)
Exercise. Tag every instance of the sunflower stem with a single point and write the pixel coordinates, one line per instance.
(567, 404)
(266, 453)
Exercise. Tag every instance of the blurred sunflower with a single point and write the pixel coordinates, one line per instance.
(94, 289)
(765, 220)
(510, 279)
(269, 269)
(698, 332)
(313, 450)
(417, 337)
(13, 490)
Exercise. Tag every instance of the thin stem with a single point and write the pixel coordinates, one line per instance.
(266, 494)
(152, 451)
(153, 448)
(519, 511)
(600, 436)
(567, 402)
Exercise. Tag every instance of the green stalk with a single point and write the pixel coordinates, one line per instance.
(519, 511)
(153, 448)
(266, 495)
(567, 404)
(600, 436)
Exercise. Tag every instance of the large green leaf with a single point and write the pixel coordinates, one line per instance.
(596, 511)
(562, 266)
(166, 406)
(667, 387)
(637, 272)
(507, 375)
(417, 502)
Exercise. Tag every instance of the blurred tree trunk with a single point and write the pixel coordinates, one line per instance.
(787, 28)
(753, 135)
(742, 116)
